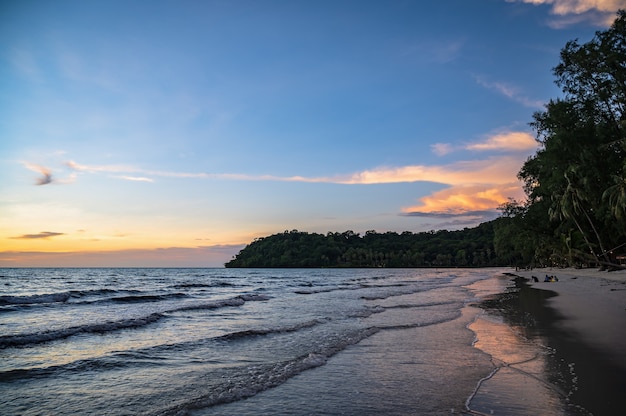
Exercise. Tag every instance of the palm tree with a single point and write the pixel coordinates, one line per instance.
(616, 196)
(571, 204)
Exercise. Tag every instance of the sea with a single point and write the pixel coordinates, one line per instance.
(122, 341)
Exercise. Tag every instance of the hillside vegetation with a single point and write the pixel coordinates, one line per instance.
(465, 248)
(575, 213)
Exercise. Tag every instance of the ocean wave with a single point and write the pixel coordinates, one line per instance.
(452, 315)
(327, 289)
(212, 283)
(145, 356)
(84, 297)
(423, 305)
(35, 299)
(79, 366)
(268, 331)
(386, 295)
(368, 311)
(146, 298)
(252, 297)
(192, 285)
(59, 297)
(356, 285)
(19, 340)
(234, 301)
(255, 379)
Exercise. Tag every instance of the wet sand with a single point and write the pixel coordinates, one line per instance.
(557, 342)
(592, 305)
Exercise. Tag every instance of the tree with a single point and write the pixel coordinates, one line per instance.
(580, 171)
(390, 249)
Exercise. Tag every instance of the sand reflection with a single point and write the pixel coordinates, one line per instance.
(519, 384)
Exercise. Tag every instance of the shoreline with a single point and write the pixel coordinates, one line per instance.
(575, 326)
(591, 305)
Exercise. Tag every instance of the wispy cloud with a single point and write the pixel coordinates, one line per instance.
(473, 171)
(506, 141)
(474, 185)
(131, 171)
(510, 91)
(41, 235)
(135, 178)
(600, 12)
(442, 149)
(100, 168)
(46, 174)
(46, 177)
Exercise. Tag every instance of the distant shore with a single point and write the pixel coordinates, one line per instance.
(581, 316)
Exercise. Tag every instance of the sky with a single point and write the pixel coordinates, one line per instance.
(173, 133)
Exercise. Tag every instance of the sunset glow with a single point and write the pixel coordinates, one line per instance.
(174, 135)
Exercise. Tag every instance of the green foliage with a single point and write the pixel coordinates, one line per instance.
(469, 247)
(576, 183)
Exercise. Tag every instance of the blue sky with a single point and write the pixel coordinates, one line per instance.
(172, 133)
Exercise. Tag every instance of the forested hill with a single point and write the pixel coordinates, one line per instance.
(471, 247)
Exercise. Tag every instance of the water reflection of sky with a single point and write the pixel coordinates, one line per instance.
(521, 381)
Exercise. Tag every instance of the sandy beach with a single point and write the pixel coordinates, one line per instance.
(559, 341)
(591, 305)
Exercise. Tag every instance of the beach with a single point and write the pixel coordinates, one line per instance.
(576, 323)
(592, 305)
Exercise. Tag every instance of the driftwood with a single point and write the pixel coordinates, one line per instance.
(612, 266)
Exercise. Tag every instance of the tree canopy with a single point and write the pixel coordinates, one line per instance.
(464, 248)
(576, 182)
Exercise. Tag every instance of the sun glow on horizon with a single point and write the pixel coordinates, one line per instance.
(414, 119)
(470, 186)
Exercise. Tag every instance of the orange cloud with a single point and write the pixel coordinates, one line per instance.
(479, 171)
(562, 7)
(487, 171)
(474, 184)
(605, 8)
(510, 141)
(466, 198)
